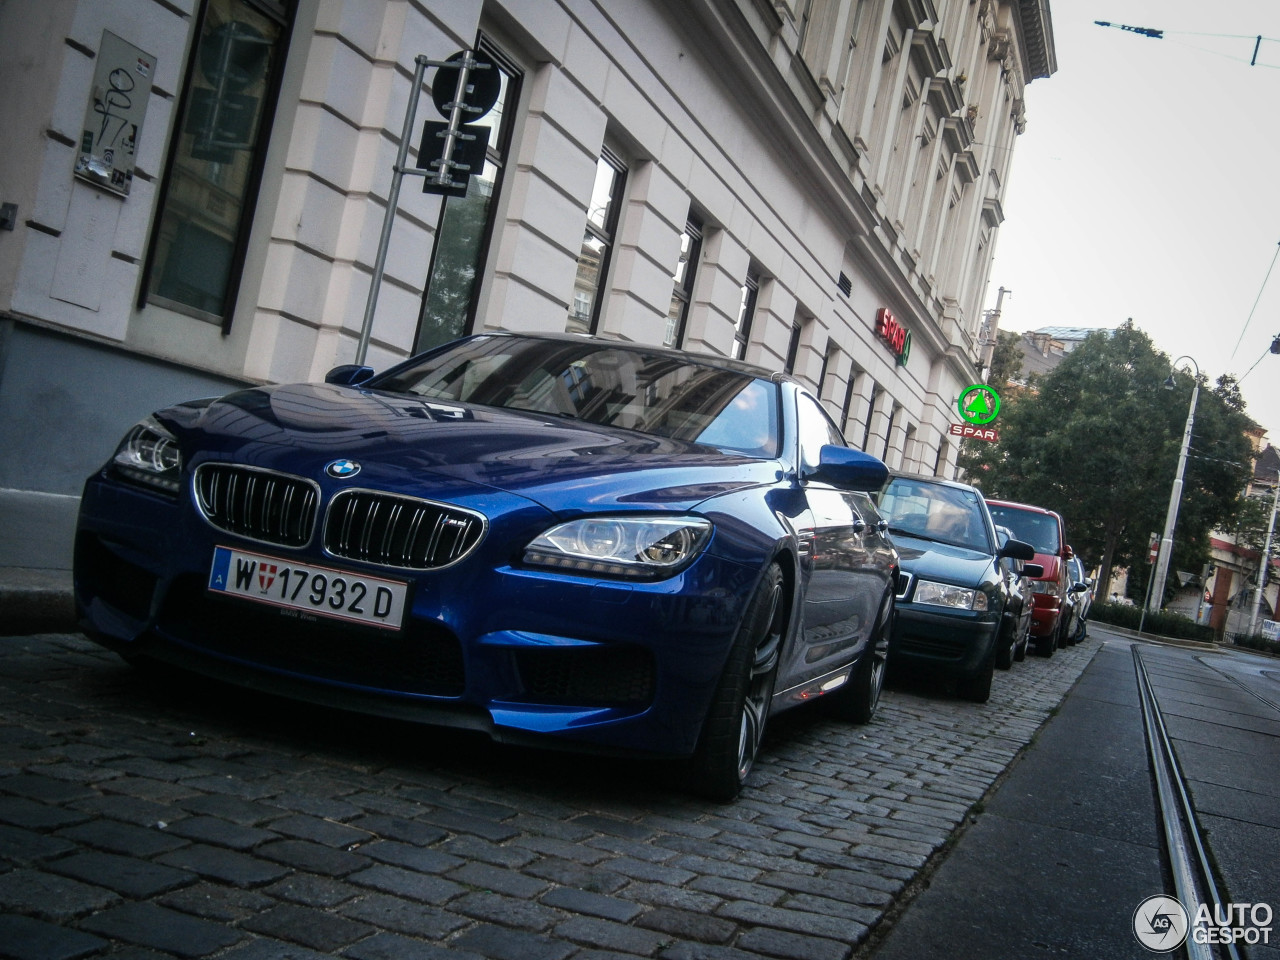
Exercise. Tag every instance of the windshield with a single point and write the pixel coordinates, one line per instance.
(1038, 529)
(932, 511)
(658, 393)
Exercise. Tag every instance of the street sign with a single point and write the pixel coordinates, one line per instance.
(471, 141)
(971, 432)
(466, 87)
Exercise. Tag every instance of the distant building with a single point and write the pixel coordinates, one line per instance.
(1043, 349)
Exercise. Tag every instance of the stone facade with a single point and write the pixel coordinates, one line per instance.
(850, 155)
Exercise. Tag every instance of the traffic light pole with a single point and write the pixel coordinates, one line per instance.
(393, 199)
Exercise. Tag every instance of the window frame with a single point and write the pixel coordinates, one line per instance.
(746, 315)
(682, 291)
(497, 153)
(284, 12)
(606, 235)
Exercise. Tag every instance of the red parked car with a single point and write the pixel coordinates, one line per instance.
(1043, 529)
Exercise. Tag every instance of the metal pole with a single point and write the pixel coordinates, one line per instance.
(1262, 568)
(1156, 600)
(393, 199)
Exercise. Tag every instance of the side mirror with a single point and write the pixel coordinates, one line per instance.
(1033, 570)
(849, 469)
(1018, 550)
(1079, 587)
(1068, 553)
(348, 375)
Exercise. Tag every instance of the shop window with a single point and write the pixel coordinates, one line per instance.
(214, 167)
(682, 293)
(466, 224)
(746, 315)
(597, 243)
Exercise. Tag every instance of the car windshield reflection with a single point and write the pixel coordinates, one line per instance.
(651, 392)
(934, 512)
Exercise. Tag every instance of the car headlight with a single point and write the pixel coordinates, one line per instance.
(149, 455)
(638, 548)
(1044, 586)
(947, 595)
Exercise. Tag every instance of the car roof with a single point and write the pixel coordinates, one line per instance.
(940, 481)
(1029, 507)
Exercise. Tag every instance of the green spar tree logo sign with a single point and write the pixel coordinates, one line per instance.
(979, 405)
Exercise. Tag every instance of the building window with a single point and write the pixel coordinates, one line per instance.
(793, 348)
(210, 184)
(597, 243)
(849, 390)
(682, 293)
(466, 223)
(746, 314)
(888, 433)
(871, 412)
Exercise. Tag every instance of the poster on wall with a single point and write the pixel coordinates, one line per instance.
(113, 118)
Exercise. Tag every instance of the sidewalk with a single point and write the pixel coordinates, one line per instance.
(36, 535)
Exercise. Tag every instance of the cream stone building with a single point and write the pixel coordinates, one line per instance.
(195, 192)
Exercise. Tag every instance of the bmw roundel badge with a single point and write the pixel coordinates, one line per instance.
(342, 469)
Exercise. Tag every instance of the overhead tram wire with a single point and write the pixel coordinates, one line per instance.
(1255, 307)
(1161, 34)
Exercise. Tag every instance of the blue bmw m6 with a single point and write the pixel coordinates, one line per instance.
(557, 540)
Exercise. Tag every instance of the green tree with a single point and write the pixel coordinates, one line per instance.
(1098, 442)
(1006, 359)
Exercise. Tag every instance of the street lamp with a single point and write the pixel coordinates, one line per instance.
(1156, 597)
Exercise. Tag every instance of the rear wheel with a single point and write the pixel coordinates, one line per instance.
(858, 699)
(734, 727)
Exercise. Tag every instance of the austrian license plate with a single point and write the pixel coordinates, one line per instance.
(308, 589)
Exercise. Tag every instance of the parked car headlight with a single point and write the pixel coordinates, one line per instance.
(149, 455)
(1044, 586)
(947, 595)
(645, 548)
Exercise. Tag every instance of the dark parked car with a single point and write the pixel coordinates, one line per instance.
(1015, 630)
(952, 593)
(1043, 529)
(552, 539)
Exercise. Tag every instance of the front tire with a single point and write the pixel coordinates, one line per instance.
(977, 688)
(734, 727)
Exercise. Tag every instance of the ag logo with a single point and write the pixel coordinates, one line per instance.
(342, 469)
(1160, 923)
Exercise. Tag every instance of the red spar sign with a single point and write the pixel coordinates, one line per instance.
(970, 432)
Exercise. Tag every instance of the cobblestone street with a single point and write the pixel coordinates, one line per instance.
(185, 819)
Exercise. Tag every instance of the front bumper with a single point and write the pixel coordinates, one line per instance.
(956, 642)
(524, 655)
(1046, 610)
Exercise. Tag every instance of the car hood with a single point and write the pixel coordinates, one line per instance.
(424, 445)
(927, 560)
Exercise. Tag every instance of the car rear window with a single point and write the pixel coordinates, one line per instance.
(659, 393)
(1038, 529)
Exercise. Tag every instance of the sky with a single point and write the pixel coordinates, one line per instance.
(1147, 185)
